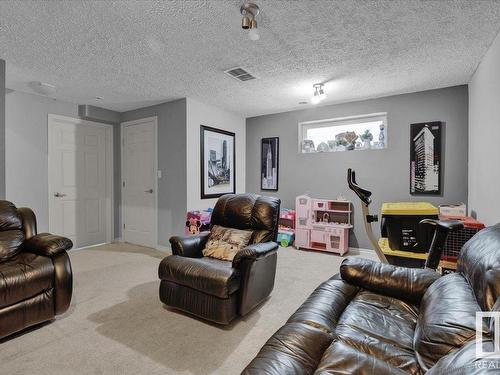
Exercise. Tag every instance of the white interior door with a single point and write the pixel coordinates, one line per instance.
(80, 180)
(139, 182)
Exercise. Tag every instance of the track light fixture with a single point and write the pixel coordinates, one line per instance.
(249, 11)
(319, 93)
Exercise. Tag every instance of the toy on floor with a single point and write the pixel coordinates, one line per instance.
(286, 227)
(198, 221)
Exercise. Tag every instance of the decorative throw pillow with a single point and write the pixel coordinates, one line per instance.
(223, 243)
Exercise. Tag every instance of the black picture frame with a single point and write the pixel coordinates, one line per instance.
(223, 170)
(426, 158)
(269, 164)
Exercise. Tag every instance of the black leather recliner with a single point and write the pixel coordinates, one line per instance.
(36, 281)
(379, 319)
(218, 290)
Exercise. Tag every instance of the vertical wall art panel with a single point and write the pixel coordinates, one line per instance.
(269, 165)
(218, 157)
(425, 158)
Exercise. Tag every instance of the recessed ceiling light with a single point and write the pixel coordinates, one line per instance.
(99, 98)
(302, 102)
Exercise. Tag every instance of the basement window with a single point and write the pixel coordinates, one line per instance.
(364, 132)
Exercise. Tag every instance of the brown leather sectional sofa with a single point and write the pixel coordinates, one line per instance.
(219, 290)
(36, 281)
(380, 319)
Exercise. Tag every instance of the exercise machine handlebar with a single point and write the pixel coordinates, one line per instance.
(363, 194)
(442, 229)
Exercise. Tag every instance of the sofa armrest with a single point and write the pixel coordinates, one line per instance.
(48, 245)
(407, 284)
(189, 246)
(254, 251)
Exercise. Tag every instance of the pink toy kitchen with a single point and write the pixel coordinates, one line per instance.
(322, 224)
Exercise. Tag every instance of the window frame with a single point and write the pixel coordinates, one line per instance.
(339, 121)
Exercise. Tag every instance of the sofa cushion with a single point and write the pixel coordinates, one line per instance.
(466, 361)
(24, 276)
(324, 306)
(223, 243)
(341, 358)
(208, 275)
(295, 349)
(11, 234)
(447, 319)
(382, 327)
(479, 261)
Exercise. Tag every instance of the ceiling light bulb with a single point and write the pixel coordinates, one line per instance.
(315, 99)
(245, 23)
(253, 34)
(319, 93)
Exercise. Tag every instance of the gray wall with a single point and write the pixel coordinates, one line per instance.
(385, 172)
(171, 161)
(27, 152)
(2, 129)
(484, 133)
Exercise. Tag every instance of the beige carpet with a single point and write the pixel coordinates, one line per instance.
(117, 325)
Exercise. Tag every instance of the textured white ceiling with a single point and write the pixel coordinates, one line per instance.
(140, 53)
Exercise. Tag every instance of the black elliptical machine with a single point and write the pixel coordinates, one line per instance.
(442, 227)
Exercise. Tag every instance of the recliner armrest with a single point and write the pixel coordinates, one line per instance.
(254, 251)
(46, 244)
(407, 284)
(189, 246)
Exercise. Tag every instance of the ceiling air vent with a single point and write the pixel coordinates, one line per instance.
(240, 74)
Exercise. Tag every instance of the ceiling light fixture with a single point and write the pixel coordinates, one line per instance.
(249, 11)
(319, 93)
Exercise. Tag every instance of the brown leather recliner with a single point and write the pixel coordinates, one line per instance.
(218, 290)
(380, 319)
(36, 280)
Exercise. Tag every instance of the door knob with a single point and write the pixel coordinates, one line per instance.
(150, 191)
(59, 195)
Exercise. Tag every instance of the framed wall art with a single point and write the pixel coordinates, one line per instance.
(218, 167)
(269, 163)
(425, 158)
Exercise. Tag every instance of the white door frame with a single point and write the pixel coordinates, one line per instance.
(154, 119)
(110, 227)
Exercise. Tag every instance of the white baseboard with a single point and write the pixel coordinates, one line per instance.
(163, 249)
(362, 251)
(87, 247)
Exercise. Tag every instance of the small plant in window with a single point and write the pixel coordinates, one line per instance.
(367, 138)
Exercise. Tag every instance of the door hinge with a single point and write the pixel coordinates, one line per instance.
(123, 183)
(123, 225)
